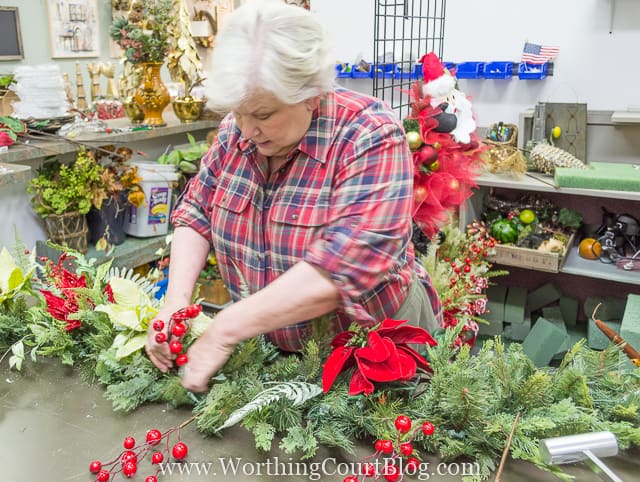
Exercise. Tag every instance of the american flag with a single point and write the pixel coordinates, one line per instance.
(538, 54)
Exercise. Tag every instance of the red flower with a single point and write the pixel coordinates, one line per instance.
(109, 292)
(384, 356)
(5, 139)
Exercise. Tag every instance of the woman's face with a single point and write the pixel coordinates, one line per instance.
(275, 127)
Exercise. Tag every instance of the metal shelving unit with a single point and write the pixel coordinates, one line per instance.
(403, 32)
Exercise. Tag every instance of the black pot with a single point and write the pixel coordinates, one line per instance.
(108, 221)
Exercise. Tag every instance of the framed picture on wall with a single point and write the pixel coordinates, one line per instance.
(10, 38)
(73, 28)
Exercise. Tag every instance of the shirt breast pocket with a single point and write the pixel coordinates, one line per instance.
(295, 225)
(231, 224)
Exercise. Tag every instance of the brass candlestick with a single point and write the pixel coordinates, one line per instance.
(81, 103)
(94, 73)
(109, 71)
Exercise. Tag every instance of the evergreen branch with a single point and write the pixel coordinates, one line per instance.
(296, 392)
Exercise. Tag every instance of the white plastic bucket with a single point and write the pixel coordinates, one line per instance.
(152, 218)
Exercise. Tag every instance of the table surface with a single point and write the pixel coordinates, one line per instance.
(52, 424)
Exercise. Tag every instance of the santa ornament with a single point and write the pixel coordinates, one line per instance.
(446, 150)
(440, 86)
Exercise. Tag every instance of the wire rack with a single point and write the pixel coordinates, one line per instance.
(403, 32)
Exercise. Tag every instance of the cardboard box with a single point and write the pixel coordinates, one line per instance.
(509, 255)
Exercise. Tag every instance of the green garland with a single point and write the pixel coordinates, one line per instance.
(472, 400)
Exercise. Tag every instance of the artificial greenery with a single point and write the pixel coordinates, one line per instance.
(60, 188)
(187, 161)
(145, 33)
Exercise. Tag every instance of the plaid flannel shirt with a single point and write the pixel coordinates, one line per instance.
(342, 202)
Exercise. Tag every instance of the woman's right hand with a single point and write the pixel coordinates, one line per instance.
(159, 353)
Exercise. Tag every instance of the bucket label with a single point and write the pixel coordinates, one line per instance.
(158, 205)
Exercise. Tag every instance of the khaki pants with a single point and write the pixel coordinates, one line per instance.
(417, 308)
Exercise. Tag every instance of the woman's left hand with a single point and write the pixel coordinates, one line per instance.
(206, 356)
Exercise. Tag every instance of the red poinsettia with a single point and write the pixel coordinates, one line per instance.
(380, 354)
(66, 303)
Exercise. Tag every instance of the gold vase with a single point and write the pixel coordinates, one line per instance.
(188, 109)
(152, 95)
(133, 110)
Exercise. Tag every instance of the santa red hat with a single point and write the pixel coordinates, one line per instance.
(437, 81)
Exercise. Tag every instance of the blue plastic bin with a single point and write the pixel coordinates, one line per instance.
(386, 71)
(417, 71)
(470, 70)
(448, 65)
(532, 71)
(406, 74)
(356, 74)
(498, 70)
(343, 70)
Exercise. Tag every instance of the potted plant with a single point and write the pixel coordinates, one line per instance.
(63, 195)
(186, 159)
(118, 188)
(144, 35)
(185, 66)
(211, 286)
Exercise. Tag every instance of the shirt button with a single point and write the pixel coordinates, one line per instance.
(260, 256)
(294, 216)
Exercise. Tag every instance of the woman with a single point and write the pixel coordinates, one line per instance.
(305, 197)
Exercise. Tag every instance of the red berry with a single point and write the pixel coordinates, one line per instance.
(179, 316)
(387, 446)
(182, 359)
(403, 423)
(369, 470)
(192, 310)
(128, 456)
(158, 325)
(175, 347)
(154, 436)
(406, 448)
(412, 464)
(391, 473)
(103, 476)
(161, 337)
(180, 450)
(151, 478)
(457, 270)
(351, 478)
(26, 251)
(178, 329)
(129, 469)
(95, 466)
(428, 428)
(129, 442)
(467, 260)
(157, 457)
(378, 445)
(467, 268)
(453, 265)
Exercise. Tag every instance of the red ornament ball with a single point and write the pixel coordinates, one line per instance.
(129, 442)
(350, 478)
(158, 325)
(182, 359)
(103, 476)
(129, 469)
(151, 478)
(428, 428)
(95, 466)
(193, 310)
(175, 347)
(178, 329)
(406, 448)
(403, 423)
(180, 451)
(154, 436)
(161, 337)
(157, 457)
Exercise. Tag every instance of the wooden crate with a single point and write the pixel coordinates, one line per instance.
(530, 258)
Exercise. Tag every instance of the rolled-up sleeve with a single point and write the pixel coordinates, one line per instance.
(370, 222)
(193, 208)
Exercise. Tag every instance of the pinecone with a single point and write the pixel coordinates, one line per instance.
(546, 158)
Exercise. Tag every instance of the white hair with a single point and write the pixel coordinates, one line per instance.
(268, 45)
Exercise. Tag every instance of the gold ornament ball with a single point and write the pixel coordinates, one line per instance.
(414, 139)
